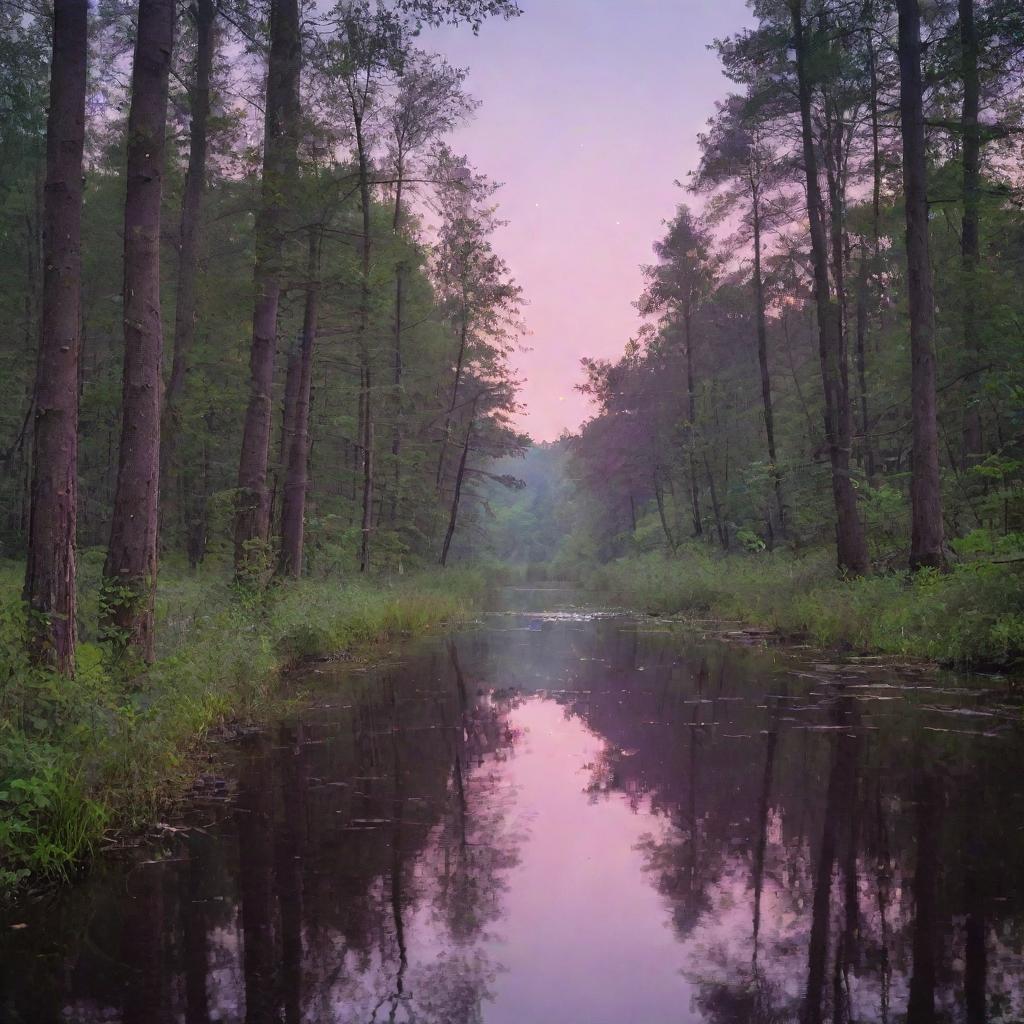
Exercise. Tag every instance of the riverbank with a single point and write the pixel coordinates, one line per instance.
(969, 618)
(112, 747)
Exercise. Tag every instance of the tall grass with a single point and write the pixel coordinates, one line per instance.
(972, 616)
(108, 748)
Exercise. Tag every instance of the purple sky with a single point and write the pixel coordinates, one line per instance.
(591, 110)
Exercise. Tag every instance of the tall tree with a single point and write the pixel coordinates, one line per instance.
(50, 571)
(131, 566)
(851, 547)
(481, 300)
(293, 506)
(203, 13)
(927, 542)
(429, 101)
(486, 411)
(369, 48)
(867, 281)
(280, 145)
(969, 226)
(460, 478)
(676, 286)
(741, 167)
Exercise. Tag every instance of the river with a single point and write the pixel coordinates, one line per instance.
(570, 817)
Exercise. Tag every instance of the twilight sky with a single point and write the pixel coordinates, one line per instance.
(591, 110)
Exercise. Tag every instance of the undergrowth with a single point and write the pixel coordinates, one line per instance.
(106, 749)
(970, 617)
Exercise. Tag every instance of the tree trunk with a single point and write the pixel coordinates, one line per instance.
(851, 549)
(293, 510)
(280, 142)
(927, 545)
(453, 401)
(288, 415)
(720, 526)
(863, 291)
(364, 326)
(869, 265)
(367, 525)
(195, 500)
(691, 408)
(396, 436)
(190, 241)
(762, 360)
(969, 250)
(659, 496)
(50, 570)
(457, 494)
(129, 585)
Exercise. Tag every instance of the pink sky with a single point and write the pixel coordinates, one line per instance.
(590, 112)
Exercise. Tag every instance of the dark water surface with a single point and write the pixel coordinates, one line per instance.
(571, 819)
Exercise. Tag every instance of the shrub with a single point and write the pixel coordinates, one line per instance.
(111, 745)
(970, 616)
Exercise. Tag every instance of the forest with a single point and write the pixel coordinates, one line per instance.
(825, 381)
(286, 375)
(255, 329)
(258, 348)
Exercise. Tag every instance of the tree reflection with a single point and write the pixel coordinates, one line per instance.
(355, 878)
(865, 887)
(827, 847)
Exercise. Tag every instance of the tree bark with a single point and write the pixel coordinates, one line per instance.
(927, 545)
(364, 326)
(851, 548)
(288, 415)
(293, 509)
(659, 497)
(691, 408)
(280, 143)
(50, 570)
(969, 244)
(457, 493)
(762, 360)
(396, 436)
(203, 13)
(453, 401)
(367, 524)
(131, 566)
(720, 525)
(863, 291)
(869, 265)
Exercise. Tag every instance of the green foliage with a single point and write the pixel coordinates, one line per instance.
(111, 746)
(972, 616)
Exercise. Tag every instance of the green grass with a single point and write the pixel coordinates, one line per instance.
(111, 747)
(971, 617)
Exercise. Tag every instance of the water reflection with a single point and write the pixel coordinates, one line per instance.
(567, 819)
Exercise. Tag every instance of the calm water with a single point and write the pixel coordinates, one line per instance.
(571, 819)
